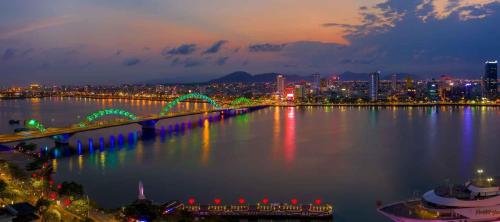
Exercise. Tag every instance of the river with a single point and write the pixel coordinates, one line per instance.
(350, 157)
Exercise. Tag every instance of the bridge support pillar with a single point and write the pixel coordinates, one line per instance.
(148, 125)
(62, 139)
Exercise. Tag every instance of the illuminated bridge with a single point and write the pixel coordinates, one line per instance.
(61, 135)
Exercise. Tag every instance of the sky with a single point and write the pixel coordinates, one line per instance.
(127, 41)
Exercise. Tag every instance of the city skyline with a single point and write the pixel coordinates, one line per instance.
(92, 42)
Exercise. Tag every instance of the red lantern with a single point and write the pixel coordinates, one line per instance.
(241, 201)
(317, 202)
(59, 186)
(265, 201)
(294, 201)
(67, 202)
(191, 201)
(53, 195)
(217, 201)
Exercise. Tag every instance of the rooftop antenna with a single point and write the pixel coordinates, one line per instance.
(141, 191)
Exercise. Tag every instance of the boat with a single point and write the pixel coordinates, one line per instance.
(242, 210)
(14, 122)
(478, 200)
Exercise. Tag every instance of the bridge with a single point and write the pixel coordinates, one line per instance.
(148, 122)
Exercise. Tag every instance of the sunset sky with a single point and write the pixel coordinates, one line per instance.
(116, 41)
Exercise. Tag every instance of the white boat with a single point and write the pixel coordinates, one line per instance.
(477, 200)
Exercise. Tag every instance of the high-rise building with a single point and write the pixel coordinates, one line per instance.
(316, 82)
(300, 91)
(374, 86)
(432, 90)
(490, 79)
(394, 83)
(280, 80)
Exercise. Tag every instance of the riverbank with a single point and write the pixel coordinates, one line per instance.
(390, 104)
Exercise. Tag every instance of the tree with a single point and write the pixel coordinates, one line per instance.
(42, 205)
(3, 186)
(17, 172)
(52, 215)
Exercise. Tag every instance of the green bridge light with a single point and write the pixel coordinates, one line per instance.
(189, 96)
(35, 124)
(240, 101)
(107, 112)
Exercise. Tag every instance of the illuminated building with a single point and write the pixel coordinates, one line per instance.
(394, 83)
(490, 79)
(432, 91)
(374, 86)
(280, 80)
(289, 93)
(300, 91)
(316, 82)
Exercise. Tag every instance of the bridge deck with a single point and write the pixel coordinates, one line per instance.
(31, 135)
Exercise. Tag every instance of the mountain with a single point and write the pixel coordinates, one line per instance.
(238, 76)
(241, 76)
(352, 76)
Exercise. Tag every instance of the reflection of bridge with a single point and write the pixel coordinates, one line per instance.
(62, 135)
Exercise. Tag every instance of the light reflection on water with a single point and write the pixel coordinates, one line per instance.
(350, 156)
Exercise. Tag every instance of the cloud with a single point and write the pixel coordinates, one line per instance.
(222, 60)
(186, 63)
(184, 49)
(36, 25)
(9, 54)
(466, 9)
(376, 19)
(266, 47)
(215, 47)
(131, 61)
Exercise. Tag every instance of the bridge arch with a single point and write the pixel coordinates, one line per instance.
(241, 100)
(35, 124)
(107, 112)
(170, 105)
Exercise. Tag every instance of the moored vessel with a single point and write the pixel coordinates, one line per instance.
(478, 200)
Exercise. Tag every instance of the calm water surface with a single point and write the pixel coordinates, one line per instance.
(350, 157)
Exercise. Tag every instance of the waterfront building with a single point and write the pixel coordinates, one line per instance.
(280, 80)
(490, 79)
(374, 86)
(299, 92)
(316, 80)
(433, 91)
(394, 83)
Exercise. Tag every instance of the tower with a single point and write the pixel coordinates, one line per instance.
(316, 82)
(490, 79)
(394, 83)
(280, 80)
(374, 86)
(141, 192)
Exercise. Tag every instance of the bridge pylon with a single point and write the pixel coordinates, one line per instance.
(62, 139)
(149, 125)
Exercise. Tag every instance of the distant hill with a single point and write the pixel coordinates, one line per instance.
(245, 77)
(352, 76)
(241, 76)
